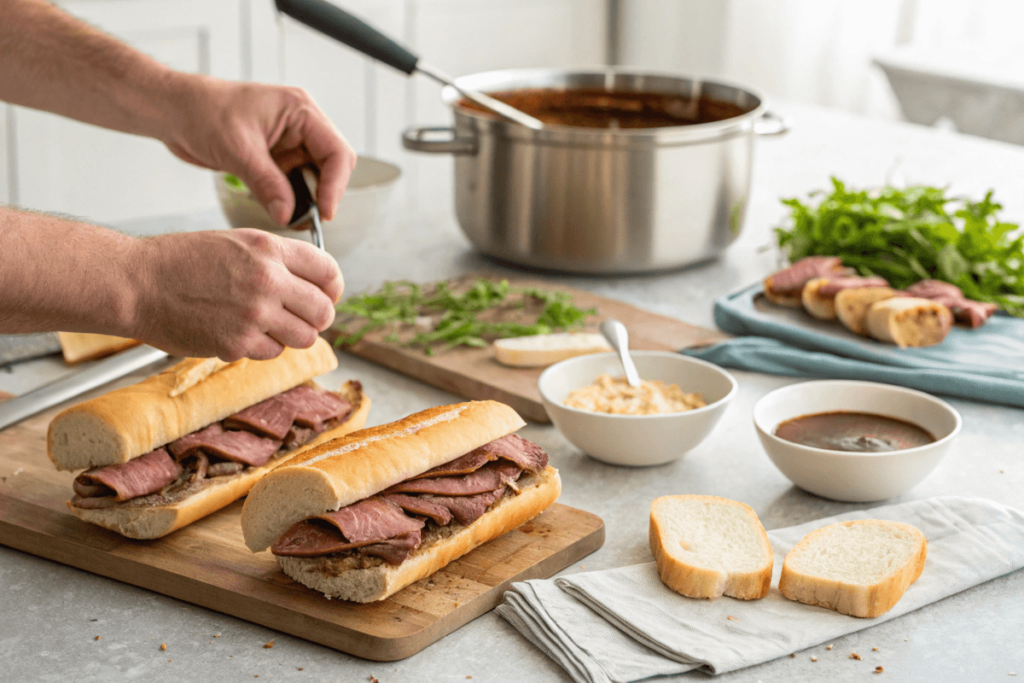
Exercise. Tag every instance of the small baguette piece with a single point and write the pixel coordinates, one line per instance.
(852, 305)
(908, 321)
(336, 576)
(860, 568)
(706, 546)
(820, 306)
(359, 465)
(128, 422)
(792, 299)
(541, 350)
(157, 521)
(79, 347)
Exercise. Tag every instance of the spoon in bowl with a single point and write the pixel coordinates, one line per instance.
(617, 335)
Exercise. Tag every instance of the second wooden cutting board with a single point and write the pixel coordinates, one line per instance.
(473, 373)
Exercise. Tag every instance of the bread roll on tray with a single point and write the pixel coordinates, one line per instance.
(852, 306)
(819, 295)
(363, 516)
(186, 442)
(785, 287)
(908, 321)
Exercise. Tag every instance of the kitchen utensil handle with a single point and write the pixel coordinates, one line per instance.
(104, 371)
(357, 34)
(771, 123)
(419, 139)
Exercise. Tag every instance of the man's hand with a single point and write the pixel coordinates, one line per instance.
(259, 132)
(232, 294)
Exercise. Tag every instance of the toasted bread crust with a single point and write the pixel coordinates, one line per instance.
(819, 305)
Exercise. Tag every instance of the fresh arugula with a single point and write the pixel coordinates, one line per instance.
(912, 234)
(458, 323)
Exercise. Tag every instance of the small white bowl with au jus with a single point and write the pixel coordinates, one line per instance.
(637, 440)
(855, 441)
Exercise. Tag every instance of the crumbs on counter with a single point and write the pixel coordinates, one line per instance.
(268, 645)
(854, 655)
(98, 638)
(828, 647)
(163, 646)
(813, 658)
(878, 670)
(874, 649)
(732, 618)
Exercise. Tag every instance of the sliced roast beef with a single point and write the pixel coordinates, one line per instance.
(272, 418)
(394, 550)
(371, 520)
(238, 446)
(470, 462)
(528, 455)
(137, 477)
(298, 436)
(489, 477)
(314, 407)
(310, 538)
(794, 278)
(467, 509)
(419, 505)
(838, 284)
(968, 311)
(223, 469)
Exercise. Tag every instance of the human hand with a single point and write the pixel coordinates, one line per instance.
(258, 133)
(232, 294)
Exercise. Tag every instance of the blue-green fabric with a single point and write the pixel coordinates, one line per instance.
(984, 364)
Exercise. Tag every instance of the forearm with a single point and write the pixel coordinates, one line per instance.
(52, 61)
(60, 275)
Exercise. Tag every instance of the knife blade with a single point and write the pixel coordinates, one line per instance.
(96, 375)
(15, 348)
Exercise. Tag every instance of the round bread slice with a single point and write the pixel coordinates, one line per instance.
(860, 568)
(908, 321)
(852, 305)
(706, 546)
(148, 522)
(791, 299)
(819, 305)
(359, 578)
(541, 350)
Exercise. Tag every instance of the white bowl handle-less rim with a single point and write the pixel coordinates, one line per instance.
(767, 426)
(438, 140)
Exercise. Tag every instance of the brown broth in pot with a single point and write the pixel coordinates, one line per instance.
(856, 432)
(612, 110)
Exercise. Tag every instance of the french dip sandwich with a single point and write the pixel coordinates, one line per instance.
(177, 446)
(365, 515)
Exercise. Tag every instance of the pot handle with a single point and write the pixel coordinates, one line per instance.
(437, 140)
(771, 123)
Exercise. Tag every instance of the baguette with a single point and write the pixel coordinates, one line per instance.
(128, 422)
(819, 306)
(860, 568)
(541, 350)
(706, 546)
(78, 347)
(155, 521)
(852, 306)
(908, 321)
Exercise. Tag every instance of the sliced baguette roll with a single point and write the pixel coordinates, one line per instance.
(860, 568)
(157, 521)
(814, 302)
(852, 305)
(791, 299)
(359, 465)
(128, 422)
(908, 321)
(706, 546)
(361, 579)
(541, 350)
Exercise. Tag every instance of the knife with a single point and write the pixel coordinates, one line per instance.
(15, 348)
(102, 372)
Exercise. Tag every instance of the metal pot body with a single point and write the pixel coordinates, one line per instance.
(600, 201)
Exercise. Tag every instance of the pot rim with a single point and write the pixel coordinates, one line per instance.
(488, 81)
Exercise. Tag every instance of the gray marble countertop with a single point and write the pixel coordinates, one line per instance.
(53, 613)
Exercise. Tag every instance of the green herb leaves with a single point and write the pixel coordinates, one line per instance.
(453, 313)
(912, 234)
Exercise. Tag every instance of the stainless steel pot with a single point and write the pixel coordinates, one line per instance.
(600, 201)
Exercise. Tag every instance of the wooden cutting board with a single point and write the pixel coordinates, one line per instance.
(474, 374)
(208, 564)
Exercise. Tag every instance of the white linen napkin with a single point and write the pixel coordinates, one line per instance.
(623, 625)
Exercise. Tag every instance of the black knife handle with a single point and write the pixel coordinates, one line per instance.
(303, 196)
(342, 26)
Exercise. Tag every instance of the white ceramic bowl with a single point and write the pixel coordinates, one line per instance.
(361, 209)
(855, 477)
(637, 440)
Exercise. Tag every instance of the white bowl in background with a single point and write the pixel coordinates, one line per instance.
(855, 477)
(636, 440)
(362, 207)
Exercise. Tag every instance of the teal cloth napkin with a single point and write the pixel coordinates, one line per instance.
(985, 364)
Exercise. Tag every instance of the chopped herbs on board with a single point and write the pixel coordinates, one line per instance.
(911, 234)
(453, 314)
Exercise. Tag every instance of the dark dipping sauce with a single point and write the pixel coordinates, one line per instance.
(856, 432)
(604, 109)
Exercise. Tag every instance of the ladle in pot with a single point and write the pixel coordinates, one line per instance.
(335, 22)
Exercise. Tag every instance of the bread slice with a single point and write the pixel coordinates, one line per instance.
(860, 568)
(79, 347)
(817, 304)
(156, 521)
(706, 546)
(127, 422)
(792, 299)
(852, 305)
(541, 350)
(347, 470)
(347, 577)
(908, 321)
